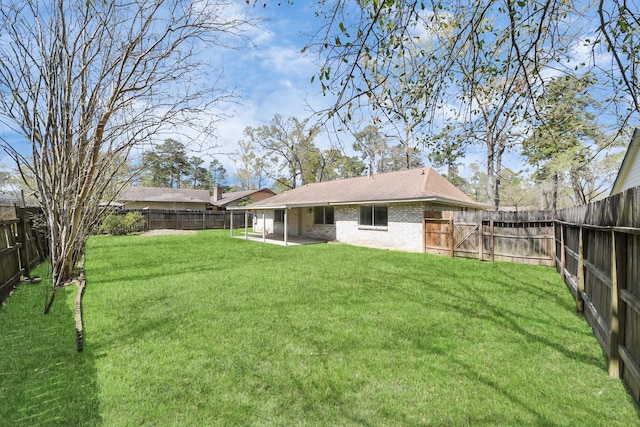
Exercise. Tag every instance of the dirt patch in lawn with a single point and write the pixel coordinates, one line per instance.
(165, 231)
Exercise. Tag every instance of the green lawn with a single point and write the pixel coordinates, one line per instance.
(206, 330)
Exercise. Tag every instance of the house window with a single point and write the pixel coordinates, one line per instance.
(323, 215)
(278, 215)
(374, 215)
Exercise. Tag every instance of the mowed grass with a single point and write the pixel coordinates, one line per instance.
(207, 330)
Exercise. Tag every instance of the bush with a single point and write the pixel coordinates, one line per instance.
(119, 225)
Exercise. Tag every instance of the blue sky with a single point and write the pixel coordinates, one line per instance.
(271, 78)
(274, 77)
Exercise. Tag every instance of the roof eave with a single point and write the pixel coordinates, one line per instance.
(431, 199)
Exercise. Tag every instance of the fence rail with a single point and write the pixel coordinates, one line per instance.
(189, 220)
(21, 248)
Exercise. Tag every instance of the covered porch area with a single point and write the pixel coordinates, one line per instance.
(279, 233)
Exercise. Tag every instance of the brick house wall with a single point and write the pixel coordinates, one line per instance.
(404, 229)
(268, 221)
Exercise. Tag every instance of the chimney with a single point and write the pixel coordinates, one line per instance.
(217, 193)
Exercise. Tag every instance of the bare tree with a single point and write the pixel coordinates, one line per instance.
(418, 61)
(86, 81)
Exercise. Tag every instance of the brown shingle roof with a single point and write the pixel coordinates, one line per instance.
(422, 184)
(154, 194)
(232, 196)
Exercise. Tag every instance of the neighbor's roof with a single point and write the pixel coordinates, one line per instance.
(173, 195)
(413, 185)
(629, 172)
(232, 196)
(7, 199)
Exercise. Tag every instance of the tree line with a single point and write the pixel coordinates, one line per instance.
(536, 78)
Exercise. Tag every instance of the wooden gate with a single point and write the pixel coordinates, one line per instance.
(438, 236)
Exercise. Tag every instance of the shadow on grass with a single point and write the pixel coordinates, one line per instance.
(43, 379)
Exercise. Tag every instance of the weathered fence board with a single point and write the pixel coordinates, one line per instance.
(597, 254)
(520, 237)
(10, 270)
(21, 248)
(189, 220)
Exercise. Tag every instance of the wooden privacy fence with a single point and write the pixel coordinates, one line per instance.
(521, 237)
(189, 220)
(595, 248)
(597, 254)
(21, 248)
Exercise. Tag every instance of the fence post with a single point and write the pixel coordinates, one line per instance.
(480, 239)
(230, 222)
(563, 256)
(23, 251)
(450, 237)
(491, 243)
(580, 278)
(614, 356)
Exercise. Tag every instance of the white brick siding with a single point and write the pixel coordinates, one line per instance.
(258, 221)
(403, 231)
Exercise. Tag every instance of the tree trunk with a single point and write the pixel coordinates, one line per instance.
(554, 192)
(490, 186)
(498, 171)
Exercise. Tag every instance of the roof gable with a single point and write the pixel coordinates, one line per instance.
(422, 184)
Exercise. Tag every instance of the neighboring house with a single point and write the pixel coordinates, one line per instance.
(221, 201)
(629, 173)
(382, 211)
(164, 198)
(7, 205)
(7, 199)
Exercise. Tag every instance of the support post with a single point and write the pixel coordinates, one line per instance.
(563, 256)
(246, 224)
(264, 228)
(614, 355)
(286, 217)
(480, 240)
(230, 222)
(580, 279)
(491, 242)
(23, 251)
(450, 237)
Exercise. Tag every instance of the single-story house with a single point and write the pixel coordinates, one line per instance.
(383, 211)
(164, 198)
(7, 205)
(629, 173)
(8, 199)
(221, 201)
